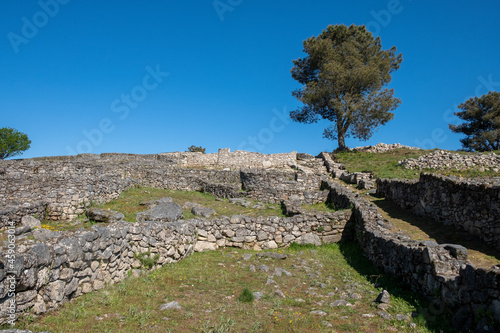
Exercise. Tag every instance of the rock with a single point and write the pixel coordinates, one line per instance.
(263, 268)
(170, 306)
(366, 184)
(22, 230)
(104, 215)
(384, 315)
(318, 313)
(273, 255)
(270, 245)
(280, 294)
(291, 207)
(152, 203)
(280, 271)
(247, 256)
(383, 306)
(270, 281)
(402, 317)
(44, 234)
(257, 295)
(354, 296)
(305, 156)
(384, 297)
(340, 302)
(31, 222)
(168, 212)
(309, 238)
(201, 246)
(326, 324)
(203, 211)
(41, 253)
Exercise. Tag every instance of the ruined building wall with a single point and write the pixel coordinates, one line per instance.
(470, 205)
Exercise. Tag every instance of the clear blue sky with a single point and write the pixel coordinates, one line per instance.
(156, 76)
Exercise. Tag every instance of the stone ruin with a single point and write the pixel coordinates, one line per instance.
(441, 159)
(65, 265)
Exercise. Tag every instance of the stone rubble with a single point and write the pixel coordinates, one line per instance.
(441, 159)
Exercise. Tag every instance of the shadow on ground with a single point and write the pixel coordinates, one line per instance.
(435, 320)
(442, 234)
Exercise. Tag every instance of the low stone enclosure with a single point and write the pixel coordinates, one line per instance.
(470, 205)
(46, 274)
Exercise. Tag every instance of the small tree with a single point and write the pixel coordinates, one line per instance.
(196, 149)
(343, 75)
(12, 143)
(482, 122)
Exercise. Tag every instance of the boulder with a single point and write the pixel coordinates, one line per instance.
(31, 222)
(203, 211)
(366, 184)
(166, 212)
(309, 238)
(305, 156)
(104, 215)
(152, 203)
(384, 297)
(201, 246)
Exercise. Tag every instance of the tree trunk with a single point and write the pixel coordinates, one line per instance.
(341, 134)
(341, 140)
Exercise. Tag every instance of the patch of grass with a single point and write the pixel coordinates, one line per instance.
(129, 201)
(320, 207)
(246, 296)
(208, 285)
(382, 165)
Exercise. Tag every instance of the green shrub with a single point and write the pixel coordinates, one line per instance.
(246, 296)
(196, 149)
(146, 260)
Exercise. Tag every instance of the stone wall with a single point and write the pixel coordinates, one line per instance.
(47, 274)
(60, 188)
(470, 205)
(446, 160)
(275, 186)
(439, 272)
(236, 160)
(382, 148)
(50, 273)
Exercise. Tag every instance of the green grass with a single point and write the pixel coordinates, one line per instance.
(385, 165)
(320, 207)
(207, 286)
(129, 201)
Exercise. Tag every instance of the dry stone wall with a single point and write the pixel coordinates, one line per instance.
(446, 160)
(470, 205)
(236, 160)
(64, 266)
(440, 272)
(60, 188)
(275, 186)
(48, 274)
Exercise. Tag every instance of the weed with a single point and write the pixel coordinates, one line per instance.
(146, 259)
(246, 296)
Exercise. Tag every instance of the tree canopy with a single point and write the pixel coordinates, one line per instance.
(482, 122)
(12, 143)
(343, 78)
(196, 149)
